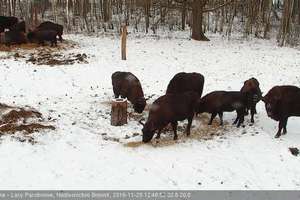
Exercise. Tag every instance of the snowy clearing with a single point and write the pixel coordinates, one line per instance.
(85, 152)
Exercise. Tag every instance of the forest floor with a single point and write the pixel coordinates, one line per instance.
(85, 152)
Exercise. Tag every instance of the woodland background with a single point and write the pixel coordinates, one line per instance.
(267, 19)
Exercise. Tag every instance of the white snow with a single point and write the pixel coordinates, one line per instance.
(77, 156)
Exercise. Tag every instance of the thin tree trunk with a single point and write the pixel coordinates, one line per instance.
(183, 15)
(147, 14)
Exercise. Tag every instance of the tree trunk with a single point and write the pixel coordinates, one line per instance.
(147, 14)
(285, 21)
(183, 15)
(119, 112)
(298, 12)
(268, 17)
(197, 13)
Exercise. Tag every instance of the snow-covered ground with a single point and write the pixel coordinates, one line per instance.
(81, 153)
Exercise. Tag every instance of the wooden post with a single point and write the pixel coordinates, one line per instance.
(123, 42)
(119, 112)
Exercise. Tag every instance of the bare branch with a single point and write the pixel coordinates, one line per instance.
(218, 7)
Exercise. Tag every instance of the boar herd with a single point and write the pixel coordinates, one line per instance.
(183, 101)
(183, 98)
(13, 31)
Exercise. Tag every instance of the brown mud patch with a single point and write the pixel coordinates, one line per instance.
(65, 45)
(44, 55)
(200, 131)
(54, 59)
(25, 120)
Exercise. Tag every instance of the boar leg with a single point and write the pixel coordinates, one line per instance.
(221, 118)
(284, 126)
(253, 111)
(158, 134)
(54, 43)
(213, 115)
(188, 128)
(240, 117)
(174, 126)
(236, 119)
(280, 126)
(60, 38)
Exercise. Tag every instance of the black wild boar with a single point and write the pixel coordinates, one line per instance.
(53, 27)
(282, 102)
(127, 85)
(40, 37)
(184, 82)
(252, 90)
(222, 101)
(7, 22)
(21, 26)
(169, 108)
(14, 37)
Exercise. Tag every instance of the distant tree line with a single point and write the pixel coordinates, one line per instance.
(260, 18)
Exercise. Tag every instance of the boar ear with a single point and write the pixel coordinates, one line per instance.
(142, 123)
(263, 99)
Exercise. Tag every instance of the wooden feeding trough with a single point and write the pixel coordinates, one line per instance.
(119, 112)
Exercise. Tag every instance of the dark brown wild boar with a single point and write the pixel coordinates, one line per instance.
(14, 37)
(7, 22)
(184, 82)
(40, 36)
(282, 102)
(21, 26)
(127, 85)
(252, 90)
(222, 101)
(50, 26)
(169, 108)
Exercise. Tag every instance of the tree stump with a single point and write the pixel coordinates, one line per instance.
(119, 112)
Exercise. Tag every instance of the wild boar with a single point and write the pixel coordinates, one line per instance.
(40, 37)
(223, 101)
(184, 82)
(14, 37)
(21, 26)
(59, 29)
(282, 102)
(127, 85)
(170, 108)
(252, 90)
(7, 22)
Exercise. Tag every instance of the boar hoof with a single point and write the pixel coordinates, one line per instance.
(284, 133)
(277, 135)
(175, 137)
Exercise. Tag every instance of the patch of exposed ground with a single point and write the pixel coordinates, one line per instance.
(44, 55)
(53, 59)
(65, 45)
(199, 132)
(25, 120)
